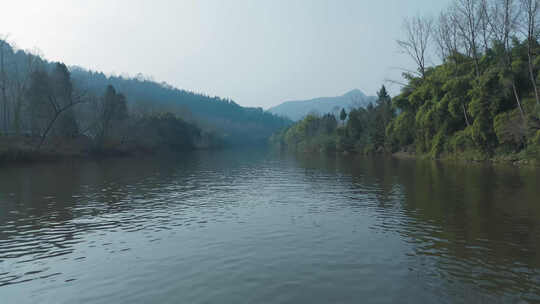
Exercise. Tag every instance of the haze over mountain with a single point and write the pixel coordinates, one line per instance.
(298, 109)
(220, 115)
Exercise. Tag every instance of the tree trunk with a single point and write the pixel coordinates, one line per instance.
(477, 67)
(517, 100)
(49, 127)
(531, 72)
(57, 114)
(465, 114)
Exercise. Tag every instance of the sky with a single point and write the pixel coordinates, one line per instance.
(256, 52)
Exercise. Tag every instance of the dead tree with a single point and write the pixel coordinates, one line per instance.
(485, 31)
(448, 42)
(446, 37)
(418, 36)
(58, 110)
(466, 17)
(52, 96)
(504, 22)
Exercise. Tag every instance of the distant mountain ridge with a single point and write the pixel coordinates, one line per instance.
(296, 110)
(222, 116)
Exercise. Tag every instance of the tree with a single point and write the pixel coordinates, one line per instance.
(531, 8)
(62, 90)
(383, 115)
(466, 16)
(485, 31)
(477, 103)
(342, 115)
(20, 77)
(3, 82)
(384, 104)
(418, 32)
(504, 20)
(449, 43)
(113, 109)
(51, 97)
(447, 37)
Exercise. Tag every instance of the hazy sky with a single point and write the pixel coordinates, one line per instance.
(257, 52)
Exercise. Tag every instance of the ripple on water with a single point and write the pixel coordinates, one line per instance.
(231, 228)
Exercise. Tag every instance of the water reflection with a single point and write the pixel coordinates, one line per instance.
(308, 228)
(480, 223)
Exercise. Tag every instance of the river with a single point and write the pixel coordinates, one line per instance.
(259, 226)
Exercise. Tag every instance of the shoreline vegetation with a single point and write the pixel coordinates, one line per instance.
(22, 149)
(481, 103)
(112, 130)
(51, 111)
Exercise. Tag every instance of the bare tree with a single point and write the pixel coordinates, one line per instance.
(418, 36)
(448, 41)
(59, 109)
(531, 8)
(446, 36)
(504, 22)
(485, 30)
(466, 16)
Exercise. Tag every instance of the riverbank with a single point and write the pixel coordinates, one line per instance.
(29, 154)
(527, 158)
(23, 149)
(517, 159)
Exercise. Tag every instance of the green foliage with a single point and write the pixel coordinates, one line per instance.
(451, 111)
(401, 131)
(365, 131)
(532, 151)
(313, 133)
(536, 139)
(510, 129)
(439, 144)
(461, 141)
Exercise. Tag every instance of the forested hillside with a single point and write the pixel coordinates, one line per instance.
(481, 102)
(46, 106)
(234, 123)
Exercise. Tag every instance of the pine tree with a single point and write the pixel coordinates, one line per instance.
(343, 115)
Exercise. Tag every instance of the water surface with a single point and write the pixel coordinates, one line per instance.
(264, 227)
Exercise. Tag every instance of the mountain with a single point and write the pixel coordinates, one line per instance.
(296, 110)
(232, 122)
